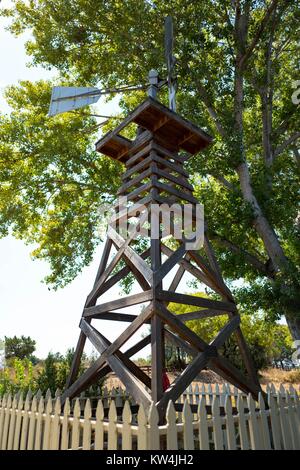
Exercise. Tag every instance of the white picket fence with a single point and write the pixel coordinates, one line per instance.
(229, 420)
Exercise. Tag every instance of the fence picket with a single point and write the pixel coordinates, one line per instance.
(65, 426)
(112, 441)
(25, 422)
(264, 425)
(99, 431)
(126, 427)
(10, 441)
(76, 426)
(230, 430)
(244, 440)
(39, 425)
(18, 422)
(47, 426)
(2, 416)
(153, 435)
(188, 434)
(217, 426)
(285, 428)
(292, 419)
(275, 422)
(32, 422)
(253, 426)
(87, 427)
(55, 426)
(6, 422)
(203, 425)
(172, 440)
(142, 439)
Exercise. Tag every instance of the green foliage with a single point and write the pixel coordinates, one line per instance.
(22, 375)
(20, 348)
(19, 377)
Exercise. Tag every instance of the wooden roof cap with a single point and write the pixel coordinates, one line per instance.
(167, 125)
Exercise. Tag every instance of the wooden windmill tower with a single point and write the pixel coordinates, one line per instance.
(155, 175)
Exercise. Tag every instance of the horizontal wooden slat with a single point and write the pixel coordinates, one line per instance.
(119, 303)
(167, 296)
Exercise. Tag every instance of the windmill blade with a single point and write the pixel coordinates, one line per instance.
(168, 40)
(68, 98)
(170, 59)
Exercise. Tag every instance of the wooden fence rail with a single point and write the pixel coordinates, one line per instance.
(228, 421)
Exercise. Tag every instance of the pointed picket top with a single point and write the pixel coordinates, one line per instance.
(261, 402)
(57, 393)
(153, 417)
(67, 407)
(99, 411)
(196, 391)
(141, 416)
(57, 406)
(202, 422)
(112, 412)
(34, 404)
(209, 389)
(282, 390)
(76, 410)
(20, 401)
(186, 412)
(216, 405)
(240, 404)
(27, 402)
(171, 413)
(48, 395)
(251, 404)
(87, 409)
(203, 390)
(41, 405)
(228, 405)
(49, 406)
(9, 401)
(15, 401)
(272, 388)
(39, 394)
(230, 429)
(126, 414)
(267, 388)
(217, 389)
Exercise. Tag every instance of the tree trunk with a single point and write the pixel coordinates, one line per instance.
(293, 323)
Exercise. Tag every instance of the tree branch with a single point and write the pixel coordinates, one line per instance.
(213, 113)
(258, 34)
(263, 268)
(293, 138)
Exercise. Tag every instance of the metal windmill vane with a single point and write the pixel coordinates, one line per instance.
(65, 98)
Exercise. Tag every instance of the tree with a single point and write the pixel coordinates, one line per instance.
(20, 348)
(236, 64)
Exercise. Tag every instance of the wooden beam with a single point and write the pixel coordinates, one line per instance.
(167, 296)
(131, 255)
(119, 303)
(91, 373)
(118, 362)
(169, 264)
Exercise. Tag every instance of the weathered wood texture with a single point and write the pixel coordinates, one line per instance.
(155, 174)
